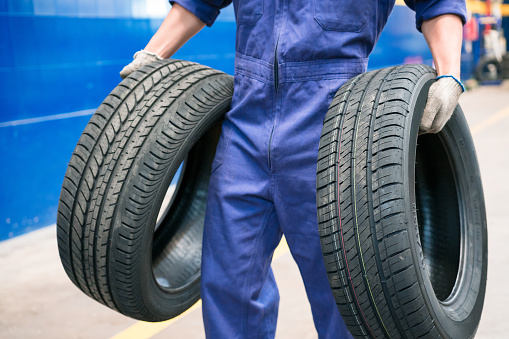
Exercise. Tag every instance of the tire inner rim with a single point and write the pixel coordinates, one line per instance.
(171, 193)
(438, 215)
(178, 230)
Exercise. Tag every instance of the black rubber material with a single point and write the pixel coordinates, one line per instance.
(401, 217)
(117, 178)
(488, 69)
(505, 66)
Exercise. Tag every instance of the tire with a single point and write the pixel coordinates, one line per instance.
(112, 196)
(505, 66)
(401, 217)
(488, 69)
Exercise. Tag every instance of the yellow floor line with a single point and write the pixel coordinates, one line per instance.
(490, 121)
(281, 249)
(146, 330)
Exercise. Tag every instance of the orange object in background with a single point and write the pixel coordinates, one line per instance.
(487, 28)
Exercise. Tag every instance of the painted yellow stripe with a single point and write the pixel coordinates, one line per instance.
(281, 249)
(504, 9)
(146, 330)
(478, 7)
(474, 6)
(504, 113)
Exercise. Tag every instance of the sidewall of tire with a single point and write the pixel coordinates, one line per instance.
(479, 74)
(459, 145)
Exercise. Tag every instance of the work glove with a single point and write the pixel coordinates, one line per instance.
(443, 96)
(141, 58)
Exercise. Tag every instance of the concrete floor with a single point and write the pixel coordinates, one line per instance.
(37, 300)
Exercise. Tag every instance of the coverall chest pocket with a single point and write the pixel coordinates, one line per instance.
(341, 15)
(248, 12)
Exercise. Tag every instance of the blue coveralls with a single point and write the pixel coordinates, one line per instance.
(291, 57)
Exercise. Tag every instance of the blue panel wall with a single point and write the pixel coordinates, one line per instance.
(56, 64)
(400, 42)
(60, 58)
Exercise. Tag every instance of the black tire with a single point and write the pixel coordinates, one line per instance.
(118, 175)
(488, 69)
(402, 225)
(505, 66)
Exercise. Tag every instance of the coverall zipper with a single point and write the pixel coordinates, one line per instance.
(276, 84)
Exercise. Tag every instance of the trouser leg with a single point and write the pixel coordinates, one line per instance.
(295, 159)
(301, 233)
(239, 292)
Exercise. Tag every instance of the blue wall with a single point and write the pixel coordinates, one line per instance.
(60, 58)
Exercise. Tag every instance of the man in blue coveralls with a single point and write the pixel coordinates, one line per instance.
(291, 57)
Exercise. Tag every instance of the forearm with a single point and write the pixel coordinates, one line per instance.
(444, 35)
(177, 28)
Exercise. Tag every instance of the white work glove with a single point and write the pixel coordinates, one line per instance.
(443, 96)
(141, 58)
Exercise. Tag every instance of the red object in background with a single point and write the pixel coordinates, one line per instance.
(487, 28)
(471, 30)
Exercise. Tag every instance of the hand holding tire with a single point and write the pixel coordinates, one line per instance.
(141, 58)
(443, 97)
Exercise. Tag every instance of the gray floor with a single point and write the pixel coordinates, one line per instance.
(38, 301)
